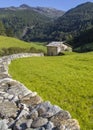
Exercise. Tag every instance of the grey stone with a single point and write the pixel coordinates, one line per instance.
(1, 98)
(47, 110)
(1, 101)
(33, 100)
(24, 112)
(4, 75)
(29, 95)
(15, 99)
(30, 129)
(70, 124)
(59, 117)
(42, 128)
(6, 100)
(6, 95)
(21, 124)
(2, 93)
(10, 97)
(49, 126)
(39, 122)
(28, 123)
(3, 125)
(33, 115)
(8, 109)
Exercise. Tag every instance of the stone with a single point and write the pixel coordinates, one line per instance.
(33, 101)
(24, 112)
(28, 123)
(39, 122)
(21, 124)
(59, 117)
(3, 125)
(42, 128)
(8, 109)
(41, 110)
(2, 93)
(1, 98)
(28, 96)
(30, 129)
(10, 97)
(33, 114)
(15, 99)
(3, 75)
(49, 126)
(6, 95)
(45, 109)
(70, 124)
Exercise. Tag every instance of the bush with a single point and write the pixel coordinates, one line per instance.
(15, 50)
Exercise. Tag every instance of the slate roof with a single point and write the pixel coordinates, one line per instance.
(56, 44)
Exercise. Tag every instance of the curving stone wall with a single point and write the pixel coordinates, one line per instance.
(22, 109)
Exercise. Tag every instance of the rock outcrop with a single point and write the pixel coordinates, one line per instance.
(22, 109)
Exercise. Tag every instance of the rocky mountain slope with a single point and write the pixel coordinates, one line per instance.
(18, 19)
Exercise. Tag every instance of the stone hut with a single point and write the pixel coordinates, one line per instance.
(54, 48)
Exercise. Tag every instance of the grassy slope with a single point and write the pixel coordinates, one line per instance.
(6, 42)
(66, 81)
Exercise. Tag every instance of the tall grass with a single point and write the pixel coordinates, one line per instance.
(65, 80)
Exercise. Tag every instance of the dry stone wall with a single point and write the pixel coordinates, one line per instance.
(22, 109)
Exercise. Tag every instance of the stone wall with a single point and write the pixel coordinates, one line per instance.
(22, 109)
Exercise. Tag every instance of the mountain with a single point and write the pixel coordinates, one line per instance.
(19, 19)
(76, 25)
(46, 24)
(83, 42)
(71, 24)
(49, 12)
(77, 19)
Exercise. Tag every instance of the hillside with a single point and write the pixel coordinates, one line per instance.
(83, 42)
(19, 19)
(10, 45)
(77, 19)
(72, 23)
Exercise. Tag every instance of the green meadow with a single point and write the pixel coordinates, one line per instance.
(8, 42)
(66, 81)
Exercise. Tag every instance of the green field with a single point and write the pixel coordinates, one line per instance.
(7, 42)
(65, 80)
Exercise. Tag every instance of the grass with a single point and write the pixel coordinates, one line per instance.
(7, 42)
(65, 80)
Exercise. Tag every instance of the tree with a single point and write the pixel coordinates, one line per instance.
(9, 32)
(2, 29)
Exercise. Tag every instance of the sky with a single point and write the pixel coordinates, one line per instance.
(58, 4)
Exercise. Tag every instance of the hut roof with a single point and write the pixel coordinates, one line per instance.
(56, 44)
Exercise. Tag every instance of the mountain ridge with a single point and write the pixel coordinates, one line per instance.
(47, 11)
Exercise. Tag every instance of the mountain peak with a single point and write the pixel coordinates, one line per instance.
(25, 6)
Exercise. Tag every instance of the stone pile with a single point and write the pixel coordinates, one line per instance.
(22, 109)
